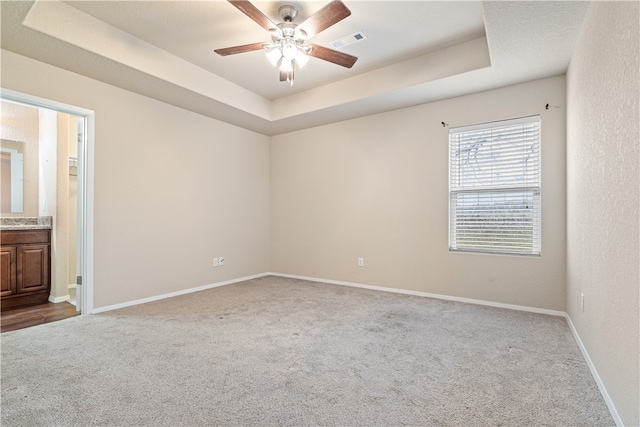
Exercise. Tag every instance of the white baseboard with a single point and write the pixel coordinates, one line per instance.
(58, 299)
(594, 373)
(429, 295)
(174, 294)
(333, 282)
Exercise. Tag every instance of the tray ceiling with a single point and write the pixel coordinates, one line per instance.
(415, 52)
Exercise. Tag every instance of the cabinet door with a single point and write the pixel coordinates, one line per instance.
(7, 270)
(33, 268)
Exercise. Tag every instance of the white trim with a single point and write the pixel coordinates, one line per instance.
(594, 373)
(177, 293)
(86, 289)
(36, 101)
(429, 295)
(56, 300)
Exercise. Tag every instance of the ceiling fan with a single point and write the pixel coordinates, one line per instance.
(289, 48)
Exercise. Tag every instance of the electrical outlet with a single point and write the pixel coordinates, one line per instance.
(360, 262)
(221, 261)
(215, 262)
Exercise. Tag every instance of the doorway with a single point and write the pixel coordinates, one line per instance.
(64, 192)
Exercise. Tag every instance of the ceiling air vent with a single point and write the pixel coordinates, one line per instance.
(345, 41)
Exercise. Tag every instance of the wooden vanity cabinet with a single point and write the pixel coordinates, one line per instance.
(25, 264)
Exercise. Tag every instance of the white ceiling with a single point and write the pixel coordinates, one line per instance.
(415, 52)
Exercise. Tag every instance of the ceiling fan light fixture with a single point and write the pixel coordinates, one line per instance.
(289, 51)
(286, 65)
(300, 35)
(301, 59)
(274, 56)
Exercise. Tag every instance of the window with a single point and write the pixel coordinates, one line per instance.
(494, 187)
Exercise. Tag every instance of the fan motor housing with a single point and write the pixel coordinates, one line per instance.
(288, 12)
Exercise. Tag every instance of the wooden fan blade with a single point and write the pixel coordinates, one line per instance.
(332, 13)
(331, 55)
(254, 13)
(239, 49)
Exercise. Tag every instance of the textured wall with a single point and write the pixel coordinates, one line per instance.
(377, 187)
(603, 201)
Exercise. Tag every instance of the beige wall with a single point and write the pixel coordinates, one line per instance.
(377, 187)
(603, 198)
(172, 190)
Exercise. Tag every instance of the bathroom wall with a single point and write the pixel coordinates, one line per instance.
(62, 226)
(20, 123)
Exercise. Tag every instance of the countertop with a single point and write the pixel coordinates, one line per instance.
(26, 223)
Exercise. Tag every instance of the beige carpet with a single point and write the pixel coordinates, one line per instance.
(275, 351)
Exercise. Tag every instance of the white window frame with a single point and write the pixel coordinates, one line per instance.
(495, 187)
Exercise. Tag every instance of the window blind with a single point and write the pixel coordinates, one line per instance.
(494, 187)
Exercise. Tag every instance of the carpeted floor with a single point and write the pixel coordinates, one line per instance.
(276, 351)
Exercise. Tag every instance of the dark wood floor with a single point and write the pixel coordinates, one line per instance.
(19, 318)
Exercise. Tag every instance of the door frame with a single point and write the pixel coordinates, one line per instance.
(85, 180)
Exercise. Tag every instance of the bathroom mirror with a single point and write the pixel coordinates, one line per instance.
(11, 176)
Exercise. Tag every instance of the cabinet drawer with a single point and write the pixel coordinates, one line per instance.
(15, 237)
